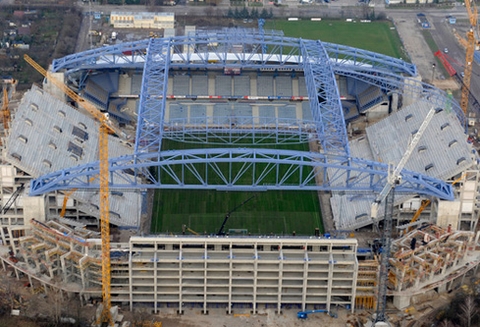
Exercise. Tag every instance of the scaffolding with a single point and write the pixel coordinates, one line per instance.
(367, 280)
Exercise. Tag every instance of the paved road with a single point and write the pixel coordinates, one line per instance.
(445, 38)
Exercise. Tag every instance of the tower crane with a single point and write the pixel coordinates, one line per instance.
(387, 194)
(105, 129)
(472, 13)
(5, 110)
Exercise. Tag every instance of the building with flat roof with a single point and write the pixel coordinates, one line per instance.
(155, 20)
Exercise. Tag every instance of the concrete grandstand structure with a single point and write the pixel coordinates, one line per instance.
(223, 87)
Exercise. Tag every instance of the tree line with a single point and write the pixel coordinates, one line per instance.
(253, 14)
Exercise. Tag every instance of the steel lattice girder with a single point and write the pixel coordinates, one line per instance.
(153, 97)
(324, 99)
(345, 55)
(130, 54)
(254, 171)
(344, 173)
(210, 49)
(241, 131)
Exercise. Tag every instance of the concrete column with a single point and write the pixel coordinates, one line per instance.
(253, 86)
(305, 281)
(255, 114)
(330, 279)
(295, 91)
(209, 113)
(298, 110)
(442, 288)
(30, 282)
(354, 286)
(401, 301)
(229, 305)
(180, 282)
(130, 276)
(211, 84)
(255, 280)
(155, 281)
(280, 277)
(205, 281)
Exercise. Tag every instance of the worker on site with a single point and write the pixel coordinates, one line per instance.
(426, 239)
(413, 243)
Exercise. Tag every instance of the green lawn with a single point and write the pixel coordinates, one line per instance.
(278, 212)
(377, 36)
(275, 212)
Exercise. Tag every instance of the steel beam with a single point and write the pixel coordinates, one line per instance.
(214, 49)
(253, 169)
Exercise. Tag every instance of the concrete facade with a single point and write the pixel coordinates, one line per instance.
(200, 271)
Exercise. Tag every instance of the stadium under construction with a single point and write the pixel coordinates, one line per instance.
(239, 89)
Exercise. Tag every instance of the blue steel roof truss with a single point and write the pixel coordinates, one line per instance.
(241, 51)
(238, 168)
(240, 131)
(324, 99)
(343, 54)
(291, 170)
(131, 53)
(153, 97)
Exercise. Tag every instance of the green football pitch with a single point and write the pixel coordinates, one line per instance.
(277, 212)
(377, 36)
(268, 212)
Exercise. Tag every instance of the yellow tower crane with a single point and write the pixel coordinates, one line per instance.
(104, 129)
(425, 203)
(470, 50)
(66, 196)
(5, 111)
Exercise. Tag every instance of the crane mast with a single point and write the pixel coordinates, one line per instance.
(5, 111)
(106, 315)
(104, 130)
(470, 50)
(388, 195)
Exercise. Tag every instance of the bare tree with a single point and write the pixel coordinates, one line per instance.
(446, 323)
(54, 301)
(7, 293)
(468, 311)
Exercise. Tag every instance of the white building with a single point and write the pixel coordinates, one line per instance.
(155, 20)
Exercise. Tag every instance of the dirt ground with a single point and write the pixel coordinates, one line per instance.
(266, 318)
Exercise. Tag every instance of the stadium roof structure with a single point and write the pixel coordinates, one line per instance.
(225, 168)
